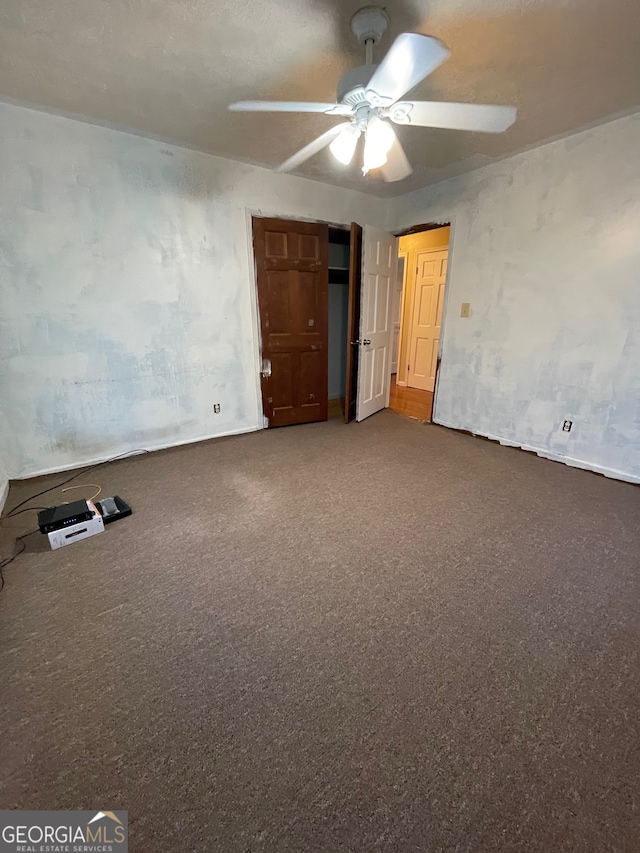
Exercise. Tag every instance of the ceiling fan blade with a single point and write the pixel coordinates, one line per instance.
(290, 107)
(486, 118)
(409, 60)
(397, 166)
(312, 148)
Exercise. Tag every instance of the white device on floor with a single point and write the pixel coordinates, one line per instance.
(76, 532)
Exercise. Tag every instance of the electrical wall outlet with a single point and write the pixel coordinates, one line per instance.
(216, 408)
(566, 426)
(465, 309)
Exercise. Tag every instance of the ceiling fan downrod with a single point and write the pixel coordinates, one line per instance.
(368, 47)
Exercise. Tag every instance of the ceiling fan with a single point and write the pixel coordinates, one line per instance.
(370, 95)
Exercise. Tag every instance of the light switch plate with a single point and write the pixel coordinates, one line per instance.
(465, 309)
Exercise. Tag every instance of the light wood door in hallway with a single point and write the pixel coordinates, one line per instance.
(426, 318)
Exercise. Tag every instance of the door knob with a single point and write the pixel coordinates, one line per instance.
(365, 342)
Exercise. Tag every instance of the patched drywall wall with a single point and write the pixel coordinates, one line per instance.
(545, 248)
(128, 295)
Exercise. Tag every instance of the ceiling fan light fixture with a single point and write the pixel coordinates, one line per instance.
(344, 145)
(370, 94)
(379, 138)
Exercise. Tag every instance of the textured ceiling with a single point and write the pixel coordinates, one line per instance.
(168, 68)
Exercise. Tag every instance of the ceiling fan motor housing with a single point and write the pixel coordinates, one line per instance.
(352, 85)
(369, 24)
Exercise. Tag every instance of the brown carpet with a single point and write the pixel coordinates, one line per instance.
(377, 637)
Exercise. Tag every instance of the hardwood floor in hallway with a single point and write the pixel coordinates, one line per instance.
(410, 401)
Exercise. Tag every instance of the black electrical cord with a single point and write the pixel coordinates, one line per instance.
(20, 511)
(84, 471)
(17, 511)
(7, 560)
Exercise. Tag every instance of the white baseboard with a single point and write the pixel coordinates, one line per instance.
(547, 454)
(4, 494)
(97, 460)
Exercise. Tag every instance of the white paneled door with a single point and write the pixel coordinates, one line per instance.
(426, 318)
(379, 266)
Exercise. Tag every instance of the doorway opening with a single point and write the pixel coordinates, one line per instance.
(417, 312)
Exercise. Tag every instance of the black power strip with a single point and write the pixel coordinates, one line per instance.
(111, 509)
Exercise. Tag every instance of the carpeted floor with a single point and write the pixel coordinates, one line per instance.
(377, 637)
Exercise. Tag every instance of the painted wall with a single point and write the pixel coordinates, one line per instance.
(545, 248)
(127, 297)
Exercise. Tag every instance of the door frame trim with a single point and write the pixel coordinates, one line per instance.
(252, 275)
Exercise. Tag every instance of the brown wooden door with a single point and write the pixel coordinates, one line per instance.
(292, 260)
(353, 322)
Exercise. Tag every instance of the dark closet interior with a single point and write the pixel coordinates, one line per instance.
(338, 311)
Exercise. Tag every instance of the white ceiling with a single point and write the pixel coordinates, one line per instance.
(168, 68)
